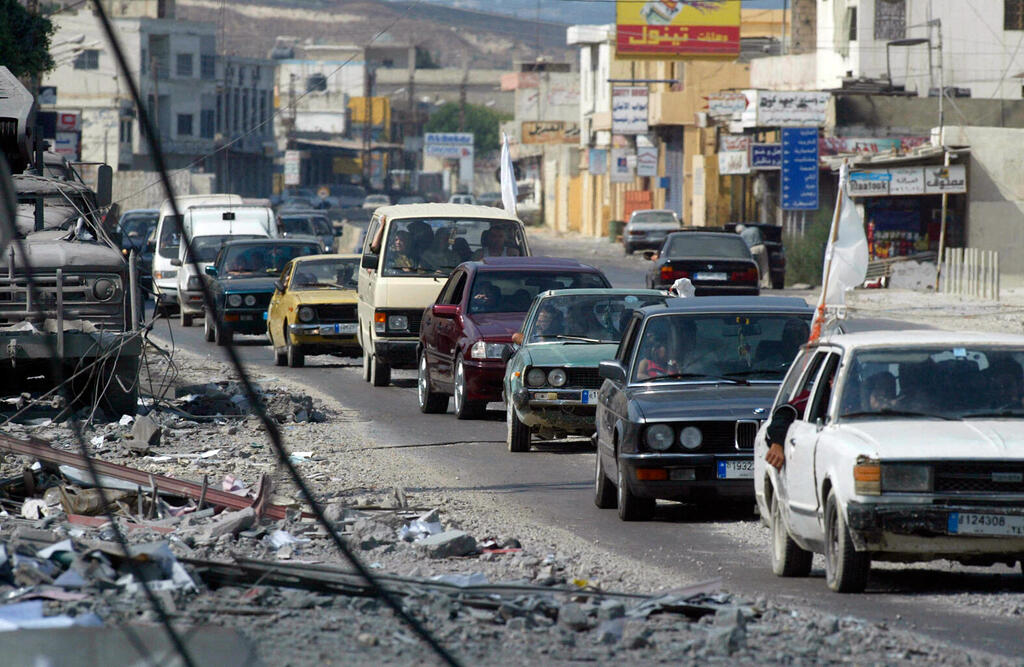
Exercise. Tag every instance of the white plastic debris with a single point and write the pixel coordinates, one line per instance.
(683, 288)
(463, 580)
(422, 526)
(126, 420)
(280, 538)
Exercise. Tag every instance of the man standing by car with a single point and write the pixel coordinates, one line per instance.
(755, 241)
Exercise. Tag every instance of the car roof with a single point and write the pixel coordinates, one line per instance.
(299, 212)
(530, 263)
(608, 291)
(690, 233)
(719, 304)
(918, 338)
(427, 210)
(291, 240)
(318, 258)
(863, 324)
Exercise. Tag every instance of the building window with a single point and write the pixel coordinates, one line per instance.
(207, 123)
(208, 67)
(88, 59)
(1013, 14)
(890, 19)
(851, 13)
(125, 133)
(184, 125)
(184, 64)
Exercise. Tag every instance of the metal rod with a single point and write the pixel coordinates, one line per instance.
(942, 226)
(60, 314)
(133, 285)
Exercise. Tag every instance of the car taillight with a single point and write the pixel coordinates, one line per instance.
(747, 275)
(669, 274)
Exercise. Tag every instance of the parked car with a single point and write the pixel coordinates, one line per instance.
(647, 228)
(242, 281)
(464, 334)
(313, 310)
(376, 200)
(906, 446)
(136, 227)
(551, 382)
(717, 263)
(309, 223)
(408, 254)
(683, 396)
(772, 235)
(462, 198)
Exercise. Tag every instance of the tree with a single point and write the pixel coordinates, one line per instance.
(24, 41)
(481, 121)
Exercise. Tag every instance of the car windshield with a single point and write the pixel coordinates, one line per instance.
(702, 245)
(435, 246)
(585, 318)
(326, 274)
(513, 291)
(322, 227)
(739, 347)
(297, 225)
(135, 229)
(250, 260)
(654, 216)
(949, 382)
(205, 248)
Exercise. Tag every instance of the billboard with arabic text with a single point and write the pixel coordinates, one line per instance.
(677, 28)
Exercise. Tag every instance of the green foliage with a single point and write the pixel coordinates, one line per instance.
(805, 254)
(24, 40)
(424, 60)
(481, 121)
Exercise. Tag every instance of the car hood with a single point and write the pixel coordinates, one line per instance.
(260, 284)
(928, 439)
(704, 401)
(497, 325)
(570, 354)
(321, 296)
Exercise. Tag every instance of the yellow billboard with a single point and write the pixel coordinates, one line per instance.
(677, 28)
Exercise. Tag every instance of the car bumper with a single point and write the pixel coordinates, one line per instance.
(326, 338)
(483, 379)
(695, 476)
(397, 353)
(644, 242)
(191, 303)
(561, 410)
(244, 321)
(936, 532)
(166, 292)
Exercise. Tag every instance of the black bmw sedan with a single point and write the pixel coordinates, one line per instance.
(717, 263)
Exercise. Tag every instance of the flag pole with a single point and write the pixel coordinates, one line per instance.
(819, 313)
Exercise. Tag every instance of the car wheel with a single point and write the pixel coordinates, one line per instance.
(366, 365)
(296, 357)
(631, 507)
(185, 320)
(464, 408)
(518, 438)
(788, 559)
(380, 374)
(846, 569)
(604, 491)
(223, 335)
(628, 248)
(207, 329)
(430, 402)
(779, 283)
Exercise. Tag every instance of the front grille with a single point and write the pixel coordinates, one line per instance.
(746, 432)
(979, 477)
(584, 378)
(77, 299)
(342, 312)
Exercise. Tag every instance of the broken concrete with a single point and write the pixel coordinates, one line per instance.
(449, 544)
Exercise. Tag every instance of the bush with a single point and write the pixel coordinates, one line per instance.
(805, 255)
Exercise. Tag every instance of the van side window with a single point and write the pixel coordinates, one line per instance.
(371, 235)
(169, 237)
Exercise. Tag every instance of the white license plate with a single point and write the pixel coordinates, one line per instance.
(735, 470)
(963, 523)
(338, 328)
(706, 275)
(588, 397)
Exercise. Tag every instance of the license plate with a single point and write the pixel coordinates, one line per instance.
(963, 523)
(245, 318)
(545, 396)
(709, 275)
(588, 397)
(338, 328)
(735, 470)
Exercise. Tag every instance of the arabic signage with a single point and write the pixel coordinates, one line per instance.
(766, 156)
(791, 109)
(646, 161)
(840, 145)
(733, 162)
(291, 167)
(913, 181)
(733, 142)
(621, 172)
(799, 169)
(629, 110)
(550, 132)
(598, 163)
(726, 104)
(449, 138)
(677, 28)
(448, 145)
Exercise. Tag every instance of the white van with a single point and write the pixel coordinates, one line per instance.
(408, 254)
(207, 228)
(165, 275)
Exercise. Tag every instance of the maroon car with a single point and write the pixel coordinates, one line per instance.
(463, 335)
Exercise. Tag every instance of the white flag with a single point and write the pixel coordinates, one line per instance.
(509, 192)
(849, 251)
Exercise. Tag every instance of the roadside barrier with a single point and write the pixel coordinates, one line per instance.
(971, 272)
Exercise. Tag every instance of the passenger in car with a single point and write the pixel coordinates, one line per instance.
(438, 256)
(654, 360)
(399, 256)
(486, 298)
(881, 391)
(550, 322)
(493, 244)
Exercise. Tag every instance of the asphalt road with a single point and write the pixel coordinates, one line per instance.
(553, 484)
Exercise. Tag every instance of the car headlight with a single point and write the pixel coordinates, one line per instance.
(557, 377)
(484, 350)
(536, 377)
(194, 283)
(306, 314)
(691, 437)
(906, 478)
(234, 300)
(398, 322)
(104, 289)
(659, 437)
(250, 300)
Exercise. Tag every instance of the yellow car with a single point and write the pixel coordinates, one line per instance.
(313, 310)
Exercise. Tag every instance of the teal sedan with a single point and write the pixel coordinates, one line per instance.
(551, 380)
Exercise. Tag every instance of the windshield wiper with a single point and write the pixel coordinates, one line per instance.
(897, 413)
(1009, 412)
(581, 339)
(693, 376)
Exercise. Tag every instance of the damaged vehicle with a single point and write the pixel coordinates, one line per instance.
(903, 446)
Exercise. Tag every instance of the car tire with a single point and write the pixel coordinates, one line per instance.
(223, 335)
(430, 402)
(787, 558)
(518, 438)
(380, 374)
(846, 569)
(366, 366)
(296, 357)
(778, 283)
(604, 490)
(183, 319)
(628, 249)
(208, 329)
(631, 507)
(464, 408)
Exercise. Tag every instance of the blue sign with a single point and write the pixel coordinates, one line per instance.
(766, 156)
(799, 168)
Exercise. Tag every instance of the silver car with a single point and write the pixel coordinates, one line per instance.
(648, 228)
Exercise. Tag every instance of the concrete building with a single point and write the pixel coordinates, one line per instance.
(242, 125)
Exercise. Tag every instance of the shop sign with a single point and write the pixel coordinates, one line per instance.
(733, 142)
(66, 144)
(550, 132)
(646, 161)
(909, 181)
(869, 183)
(840, 145)
(791, 109)
(598, 163)
(291, 167)
(629, 110)
(622, 171)
(733, 162)
(799, 169)
(726, 104)
(906, 181)
(67, 122)
(672, 28)
(949, 180)
(766, 156)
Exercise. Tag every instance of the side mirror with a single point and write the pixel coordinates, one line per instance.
(517, 338)
(612, 370)
(650, 255)
(508, 352)
(211, 271)
(444, 310)
(279, 286)
(369, 261)
(104, 185)
(175, 262)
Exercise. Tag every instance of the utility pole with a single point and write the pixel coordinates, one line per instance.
(367, 122)
(462, 94)
(156, 95)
